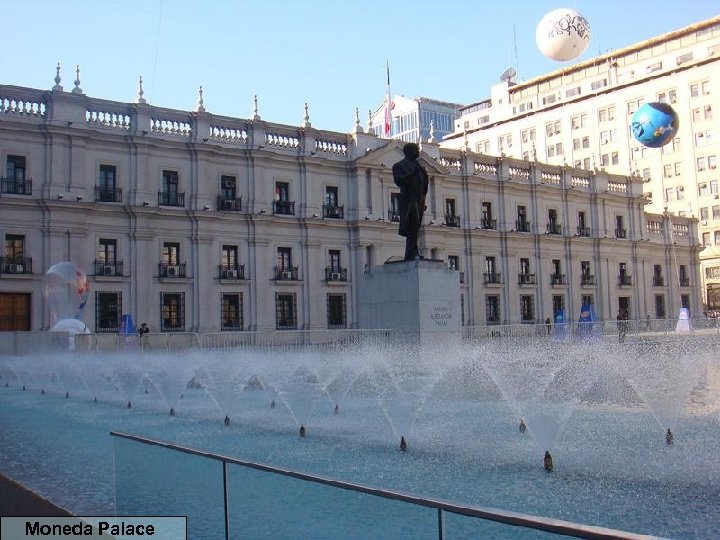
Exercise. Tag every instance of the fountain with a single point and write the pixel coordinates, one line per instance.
(597, 409)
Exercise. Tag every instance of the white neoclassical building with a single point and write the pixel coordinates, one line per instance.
(191, 221)
(579, 116)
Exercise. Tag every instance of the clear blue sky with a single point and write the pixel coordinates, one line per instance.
(329, 53)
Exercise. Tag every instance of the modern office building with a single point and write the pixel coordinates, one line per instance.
(192, 221)
(579, 117)
(415, 119)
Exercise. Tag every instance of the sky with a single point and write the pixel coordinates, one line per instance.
(328, 53)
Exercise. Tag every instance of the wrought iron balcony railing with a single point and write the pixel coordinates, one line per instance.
(393, 215)
(554, 228)
(108, 268)
(558, 279)
(522, 225)
(236, 271)
(166, 198)
(333, 212)
(492, 277)
(225, 204)
(624, 281)
(15, 265)
(488, 223)
(286, 273)
(658, 281)
(284, 208)
(108, 194)
(166, 270)
(583, 231)
(620, 233)
(12, 186)
(587, 280)
(526, 279)
(452, 220)
(684, 281)
(334, 273)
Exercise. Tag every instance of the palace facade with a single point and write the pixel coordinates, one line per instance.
(192, 221)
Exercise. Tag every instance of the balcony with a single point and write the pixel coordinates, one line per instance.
(684, 281)
(584, 232)
(624, 281)
(284, 208)
(286, 273)
(229, 204)
(492, 278)
(108, 194)
(394, 215)
(522, 225)
(333, 212)
(166, 198)
(108, 268)
(452, 220)
(554, 228)
(587, 280)
(15, 265)
(526, 279)
(620, 233)
(166, 270)
(231, 272)
(488, 224)
(558, 279)
(334, 273)
(658, 281)
(15, 187)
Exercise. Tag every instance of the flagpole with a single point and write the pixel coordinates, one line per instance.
(388, 105)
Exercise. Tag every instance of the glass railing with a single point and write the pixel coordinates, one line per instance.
(226, 497)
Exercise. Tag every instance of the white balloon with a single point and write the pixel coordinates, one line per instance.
(563, 34)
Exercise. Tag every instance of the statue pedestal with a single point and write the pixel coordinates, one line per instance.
(420, 299)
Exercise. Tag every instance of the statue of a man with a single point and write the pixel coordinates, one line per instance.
(412, 179)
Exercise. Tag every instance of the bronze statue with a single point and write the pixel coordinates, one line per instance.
(412, 179)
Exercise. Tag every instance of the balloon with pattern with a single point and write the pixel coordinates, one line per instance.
(654, 124)
(563, 34)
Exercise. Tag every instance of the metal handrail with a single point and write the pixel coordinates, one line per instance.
(516, 519)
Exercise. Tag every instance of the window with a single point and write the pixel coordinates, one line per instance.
(14, 248)
(667, 171)
(716, 212)
(659, 306)
(716, 238)
(171, 253)
(597, 85)
(548, 100)
(285, 311)
(704, 213)
(614, 158)
(669, 194)
(331, 196)
(703, 189)
(15, 170)
(492, 309)
(172, 308)
(713, 186)
(282, 203)
(336, 310)
(522, 224)
(108, 311)
(604, 160)
(680, 193)
(652, 68)
(584, 269)
(170, 193)
(284, 258)
(524, 267)
(231, 312)
(571, 92)
(453, 262)
(394, 207)
(527, 308)
(107, 251)
(687, 57)
(706, 239)
(700, 164)
(712, 162)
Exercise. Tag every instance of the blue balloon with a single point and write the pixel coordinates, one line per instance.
(654, 124)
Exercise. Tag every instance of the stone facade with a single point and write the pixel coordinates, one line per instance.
(191, 221)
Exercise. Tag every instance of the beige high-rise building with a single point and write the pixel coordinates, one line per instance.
(579, 117)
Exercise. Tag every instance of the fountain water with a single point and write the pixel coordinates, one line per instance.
(591, 405)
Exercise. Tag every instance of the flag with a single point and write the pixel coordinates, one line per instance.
(388, 106)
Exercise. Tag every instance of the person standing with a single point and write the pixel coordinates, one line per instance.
(412, 179)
